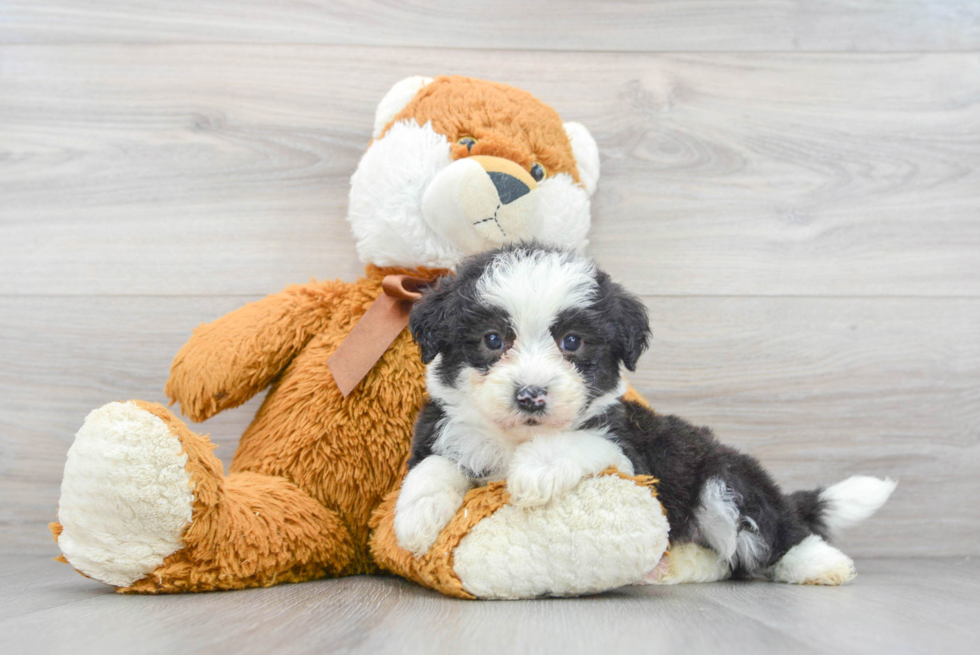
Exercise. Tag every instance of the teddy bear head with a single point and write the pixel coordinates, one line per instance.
(458, 166)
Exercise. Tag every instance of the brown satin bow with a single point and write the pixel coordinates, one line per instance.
(375, 331)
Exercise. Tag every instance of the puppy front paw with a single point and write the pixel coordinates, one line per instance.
(418, 524)
(536, 483)
(429, 499)
(549, 466)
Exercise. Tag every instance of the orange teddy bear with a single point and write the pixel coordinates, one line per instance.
(456, 166)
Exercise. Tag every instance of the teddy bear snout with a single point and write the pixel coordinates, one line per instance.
(482, 202)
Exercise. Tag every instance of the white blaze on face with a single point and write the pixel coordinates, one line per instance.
(533, 291)
(385, 209)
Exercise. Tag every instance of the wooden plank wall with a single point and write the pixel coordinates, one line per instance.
(792, 187)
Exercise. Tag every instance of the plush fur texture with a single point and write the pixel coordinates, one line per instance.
(312, 466)
(586, 155)
(415, 172)
(569, 547)
(538, 550)
(526, 346)
(291, 537)
(505, 122)
(307, 483)
(123, 456)
(395, 100)
(385, 207)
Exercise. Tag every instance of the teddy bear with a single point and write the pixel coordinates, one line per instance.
(455, 166)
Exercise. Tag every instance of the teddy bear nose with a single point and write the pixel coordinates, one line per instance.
(509, 188)
(508, 177)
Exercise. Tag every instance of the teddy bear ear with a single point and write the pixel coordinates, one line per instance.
(395, 100)
(586, 155)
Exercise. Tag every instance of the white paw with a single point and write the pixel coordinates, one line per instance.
(814, 562)
(125, 497)
(550, 466)
(534, 483)
(689, 562)
(430, 497)
(418, 524)
(660, 573)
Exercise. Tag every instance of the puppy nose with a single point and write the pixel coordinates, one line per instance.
(509, 188)
(532, 399)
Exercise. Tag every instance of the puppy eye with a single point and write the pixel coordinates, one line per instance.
(493, 341)
(571, 343)
(469, 142)
(538, 172)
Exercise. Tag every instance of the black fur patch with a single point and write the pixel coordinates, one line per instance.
(628, 315)
(812, 510)
(684, 457)
(426, 432)
(450, 320)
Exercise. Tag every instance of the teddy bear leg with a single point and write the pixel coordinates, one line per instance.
(263, 531)
(608, 532)
(145, 507)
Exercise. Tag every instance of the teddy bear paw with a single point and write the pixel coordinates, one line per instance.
(126, 496)
(605, 533)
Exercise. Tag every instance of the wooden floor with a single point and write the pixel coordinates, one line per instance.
(793, 187)
(895, 606)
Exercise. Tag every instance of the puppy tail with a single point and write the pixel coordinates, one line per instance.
(830, 511)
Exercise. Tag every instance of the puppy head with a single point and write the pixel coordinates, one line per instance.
(528, 338)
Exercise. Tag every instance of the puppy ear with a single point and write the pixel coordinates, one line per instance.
(629, 316)
(586, 155)
(432, 319)
(395, 100)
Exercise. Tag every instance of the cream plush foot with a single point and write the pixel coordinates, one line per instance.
(689, 562)
(605, 533)
(146, 507)
(126, 496)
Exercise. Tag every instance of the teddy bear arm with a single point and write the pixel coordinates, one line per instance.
(229, 360)
(632, 395)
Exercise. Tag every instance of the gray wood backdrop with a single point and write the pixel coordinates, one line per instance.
(791, 186)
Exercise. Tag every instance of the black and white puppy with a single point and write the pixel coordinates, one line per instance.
(525, 347)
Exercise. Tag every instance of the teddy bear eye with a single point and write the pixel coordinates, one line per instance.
(537, 172)
(467, 141)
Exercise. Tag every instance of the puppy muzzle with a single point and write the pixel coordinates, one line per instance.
(480, 202)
